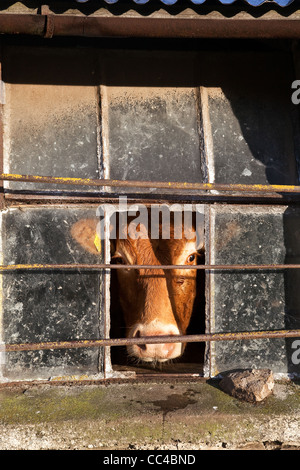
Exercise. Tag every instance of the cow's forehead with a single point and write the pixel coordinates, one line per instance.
(172, 248)
(180, 255)
(177, 247)
(168, 250)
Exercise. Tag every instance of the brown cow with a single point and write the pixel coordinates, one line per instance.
(154, 301)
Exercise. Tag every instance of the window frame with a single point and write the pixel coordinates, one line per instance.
(208, 194)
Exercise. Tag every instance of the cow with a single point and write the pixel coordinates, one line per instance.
(158, 301)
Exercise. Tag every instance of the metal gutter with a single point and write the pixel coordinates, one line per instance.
(161, 24)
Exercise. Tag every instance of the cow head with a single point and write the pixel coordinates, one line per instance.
(154, 301)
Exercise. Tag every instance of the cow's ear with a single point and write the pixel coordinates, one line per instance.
(85, 233)
(200, 247)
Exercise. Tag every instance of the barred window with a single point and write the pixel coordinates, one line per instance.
(144, 118)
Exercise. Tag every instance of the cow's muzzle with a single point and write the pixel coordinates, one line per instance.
(157, 352)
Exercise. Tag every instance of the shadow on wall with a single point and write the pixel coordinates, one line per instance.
(259, 123)
(291, 227)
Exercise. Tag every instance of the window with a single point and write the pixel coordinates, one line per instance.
(206, 114)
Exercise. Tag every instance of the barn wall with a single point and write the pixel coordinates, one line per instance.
(197, 116)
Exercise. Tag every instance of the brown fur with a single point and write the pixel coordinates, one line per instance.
(150, 295)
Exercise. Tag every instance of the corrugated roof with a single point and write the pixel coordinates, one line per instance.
(254, 3)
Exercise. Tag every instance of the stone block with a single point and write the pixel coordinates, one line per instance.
(249, 385)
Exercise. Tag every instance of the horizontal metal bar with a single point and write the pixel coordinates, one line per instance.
(99, 267)
(55, 196)
(248, 335)
(171, 185)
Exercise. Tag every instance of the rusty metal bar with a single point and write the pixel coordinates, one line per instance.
(198, 26)
(170, 185)
(99, 267)
(210, 24)
(15, 197)
(248, 335)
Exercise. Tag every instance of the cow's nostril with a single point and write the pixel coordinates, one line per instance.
(152, 352)
(143, 347)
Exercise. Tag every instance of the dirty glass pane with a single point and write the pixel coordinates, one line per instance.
(49, 305)
(252, 129)
(254, 300)
(150, 117)
(50, 115)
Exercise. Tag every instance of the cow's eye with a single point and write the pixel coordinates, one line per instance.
(191, 258)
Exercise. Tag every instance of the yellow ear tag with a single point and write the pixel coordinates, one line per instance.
(97, 242)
